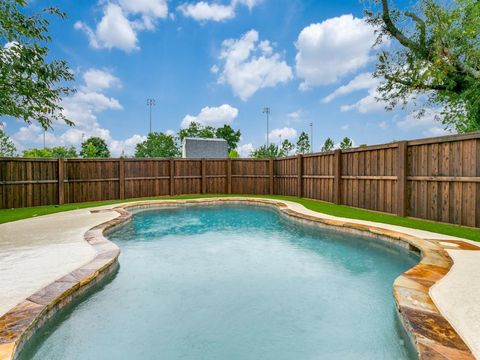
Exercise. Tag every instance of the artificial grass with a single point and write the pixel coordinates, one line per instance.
(8, 215)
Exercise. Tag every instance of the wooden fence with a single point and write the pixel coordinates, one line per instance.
(436, 178)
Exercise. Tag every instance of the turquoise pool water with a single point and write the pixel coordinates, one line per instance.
(235, 282)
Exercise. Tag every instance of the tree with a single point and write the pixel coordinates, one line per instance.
(94, 147)
(57, 152)
(328, 145)
(197, 130)
(272, 151)
(346, 143)
(303, 143)
(286, 148)
(233, 154)
(231, 136)
(157, 145)
(31, 87)
(438, 59)
(7, 147)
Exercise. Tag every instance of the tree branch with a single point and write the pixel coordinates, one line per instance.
(421, 25)
(396, 33)
(415, 85)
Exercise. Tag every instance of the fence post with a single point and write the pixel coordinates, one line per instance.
(299, 175)
(204, 181)
(337, 182)
(172, 177)
(270, 172)
(229, 176)
(402, 179)
(61, 181)
(121, 178)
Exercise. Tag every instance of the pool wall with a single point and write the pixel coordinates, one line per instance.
(431, 334)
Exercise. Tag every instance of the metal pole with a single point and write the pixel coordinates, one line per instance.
(150, 103)
(311, 137)
(266, 110)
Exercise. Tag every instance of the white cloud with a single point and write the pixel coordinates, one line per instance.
(367, 104)
(82, 108)
(428, 123)
(121, 22)
(203, 11)
(209, 11)
(329, 50)
(383, 125)
(295, 116)
(245, 150)
(96, 79)
(214, 116)
(345, 127)
(282, 134)
(249, 66)
(363, 81)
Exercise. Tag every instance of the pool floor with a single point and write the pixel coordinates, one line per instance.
(235, 282)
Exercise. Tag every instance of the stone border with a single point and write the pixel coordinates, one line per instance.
(431, 334)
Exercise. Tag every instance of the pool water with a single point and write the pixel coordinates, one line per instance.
(235, 282)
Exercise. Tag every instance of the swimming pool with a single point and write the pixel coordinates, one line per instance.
(235, 282)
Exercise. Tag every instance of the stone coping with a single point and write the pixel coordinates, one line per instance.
(431, 334)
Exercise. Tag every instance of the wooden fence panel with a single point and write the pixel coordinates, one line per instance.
(369, 178)
(286, 176)
(250, 176)
(147, 178)
(28, 182)
(216, 177)
(443, 180)
(318, 176)
(188, 176)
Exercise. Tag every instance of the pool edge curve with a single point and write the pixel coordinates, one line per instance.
(431, 334)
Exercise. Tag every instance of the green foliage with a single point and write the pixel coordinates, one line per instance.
(346, 143)
(272, 151)
(31, 86)
(57, 152)
(157, 145)
(7, 147)
(286, 148)
(197, 130)
(328, 145)
(94, 147)
(233, 154)
(303, 143)
(437, 62)
(231, 136)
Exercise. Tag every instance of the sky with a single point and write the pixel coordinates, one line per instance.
(220, 62)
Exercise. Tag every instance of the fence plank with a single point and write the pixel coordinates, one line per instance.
(300, 176)
(337, 182)
(61, 181)
(401, 194)
(121, 179)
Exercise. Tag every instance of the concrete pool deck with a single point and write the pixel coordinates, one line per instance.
(38, 251)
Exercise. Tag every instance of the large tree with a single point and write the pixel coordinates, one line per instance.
(346, 143)
(95, 147)
(157, 145)
(435, 58)
(31, 85)
(7, 147)
(196, 130)
(230, 135)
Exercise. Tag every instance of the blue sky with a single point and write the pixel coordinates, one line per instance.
(220, 62)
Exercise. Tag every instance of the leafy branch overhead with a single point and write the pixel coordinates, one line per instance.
(438, 58)
(31, 87)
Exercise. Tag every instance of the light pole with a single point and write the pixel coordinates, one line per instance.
(311, 137)
(266, 110)
(150, 103)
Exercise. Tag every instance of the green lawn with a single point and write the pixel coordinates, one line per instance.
(8, 215)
